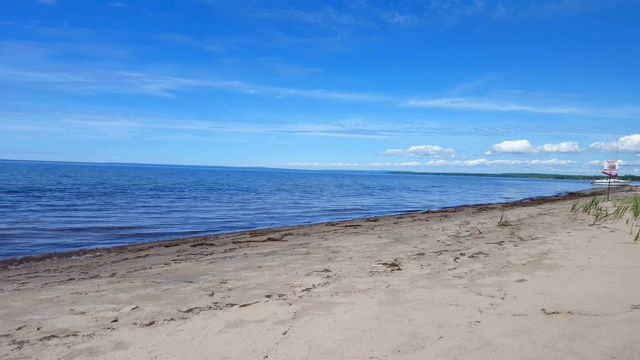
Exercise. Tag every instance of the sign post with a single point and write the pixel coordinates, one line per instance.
(611, 170)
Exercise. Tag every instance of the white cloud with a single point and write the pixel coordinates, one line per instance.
(95, 81)
(551, 162)
(525, 147)
(30, 128)
(150, 124)
(630, 143)
(491, 105)
(394, 165)
(335, 134)
(377, 166)
(473, 162)
(514, 147)
(487, 105)
(412, 163)
(563, 147)
(438, 163)
(149, 83)
(485, 162)
(422, 151)
(314, 93)
(603, 147)
(320, 165)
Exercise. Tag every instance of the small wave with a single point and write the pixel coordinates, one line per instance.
(98, 228)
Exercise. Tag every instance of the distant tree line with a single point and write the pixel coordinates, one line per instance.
(519, 175)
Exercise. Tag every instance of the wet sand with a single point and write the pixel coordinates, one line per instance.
(448, 284)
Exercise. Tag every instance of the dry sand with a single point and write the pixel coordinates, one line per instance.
(437, 285)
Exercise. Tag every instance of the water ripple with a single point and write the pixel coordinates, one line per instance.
(50, 207)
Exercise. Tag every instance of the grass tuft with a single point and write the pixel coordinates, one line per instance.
(575, 206)
(629, 207)
(504, 221)
(591, 206)
(600, 213)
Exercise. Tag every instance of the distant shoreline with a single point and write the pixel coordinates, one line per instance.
(516, 175)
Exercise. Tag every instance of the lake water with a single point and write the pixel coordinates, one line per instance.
(51, 207)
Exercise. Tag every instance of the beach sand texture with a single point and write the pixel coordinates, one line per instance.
(450, 284)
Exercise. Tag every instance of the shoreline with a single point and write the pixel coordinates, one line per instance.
(451, 284)
(97, 251)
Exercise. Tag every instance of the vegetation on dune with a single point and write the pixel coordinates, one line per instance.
(628, 207)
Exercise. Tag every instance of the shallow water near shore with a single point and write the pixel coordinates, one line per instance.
(51, 207)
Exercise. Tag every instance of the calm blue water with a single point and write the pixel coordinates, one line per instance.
(52, 207)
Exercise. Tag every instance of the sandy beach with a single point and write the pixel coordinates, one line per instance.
(448, 284)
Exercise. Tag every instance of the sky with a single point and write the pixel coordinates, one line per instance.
(477, 86)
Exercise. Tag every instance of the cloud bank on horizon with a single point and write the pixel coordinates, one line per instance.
(459, 85)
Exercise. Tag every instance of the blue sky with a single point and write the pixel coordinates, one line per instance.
(463, 86)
